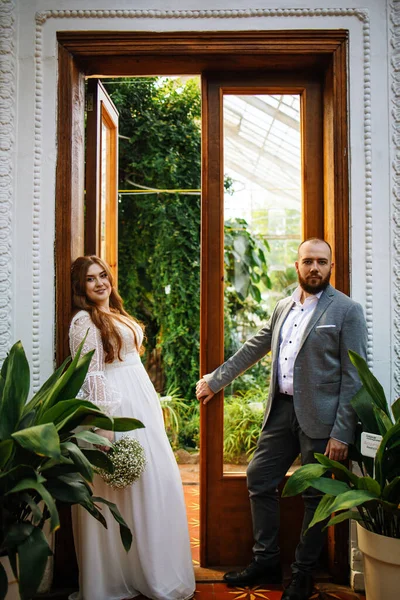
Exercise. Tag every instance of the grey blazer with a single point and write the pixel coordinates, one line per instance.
(324, 379)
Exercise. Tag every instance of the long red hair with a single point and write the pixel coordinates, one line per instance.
(110, 335)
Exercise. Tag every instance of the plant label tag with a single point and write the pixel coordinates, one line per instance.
(370, 443)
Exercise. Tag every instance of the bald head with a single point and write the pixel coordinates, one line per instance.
(314, 240)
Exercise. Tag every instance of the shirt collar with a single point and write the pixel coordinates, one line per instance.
(296, 296)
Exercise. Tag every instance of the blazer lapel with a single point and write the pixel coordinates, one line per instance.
(321, 307)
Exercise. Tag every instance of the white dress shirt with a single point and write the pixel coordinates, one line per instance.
(291, 335)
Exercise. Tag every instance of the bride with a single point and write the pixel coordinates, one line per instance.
(159, 564)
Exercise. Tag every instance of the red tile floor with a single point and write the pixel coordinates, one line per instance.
(219, 591)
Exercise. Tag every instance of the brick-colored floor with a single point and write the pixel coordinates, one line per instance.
(219, 591)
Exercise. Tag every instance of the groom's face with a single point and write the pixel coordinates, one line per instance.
(314, 266)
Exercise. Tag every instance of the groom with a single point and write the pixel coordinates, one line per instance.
(308, 408)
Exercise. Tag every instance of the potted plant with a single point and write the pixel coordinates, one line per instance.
(372, 499)
(41, 463)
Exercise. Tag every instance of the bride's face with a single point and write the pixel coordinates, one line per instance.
(98, 286)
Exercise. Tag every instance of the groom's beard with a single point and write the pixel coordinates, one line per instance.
(319, 284)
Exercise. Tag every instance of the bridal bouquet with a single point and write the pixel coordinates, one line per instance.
(129, 460)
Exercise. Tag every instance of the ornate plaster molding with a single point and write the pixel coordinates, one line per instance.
(36, 208)
(360, 14)
(395, 172)
(7, 143)
(42, 17)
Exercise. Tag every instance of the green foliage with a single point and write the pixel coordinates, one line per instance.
(175, 410)
(243, 417)
(159, 239)
(159, 243)
(189, 433)
(246, 277)
(41, 463)
(376, 494)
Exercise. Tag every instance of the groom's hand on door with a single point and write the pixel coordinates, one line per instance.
(203, 391)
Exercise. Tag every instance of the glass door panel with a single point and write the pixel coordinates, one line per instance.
(262, 229)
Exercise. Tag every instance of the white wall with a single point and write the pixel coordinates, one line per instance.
(28, 73)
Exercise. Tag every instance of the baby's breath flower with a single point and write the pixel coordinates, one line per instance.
(129, 461)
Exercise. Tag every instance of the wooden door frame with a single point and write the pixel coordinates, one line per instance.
(227, 529)
(121, 53)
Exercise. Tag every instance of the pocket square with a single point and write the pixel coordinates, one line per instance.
(324, 326)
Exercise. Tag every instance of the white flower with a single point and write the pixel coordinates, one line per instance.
(129, 460)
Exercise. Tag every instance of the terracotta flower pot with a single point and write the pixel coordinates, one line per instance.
(381, 564)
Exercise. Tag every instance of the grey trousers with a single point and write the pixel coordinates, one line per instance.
(280, 442)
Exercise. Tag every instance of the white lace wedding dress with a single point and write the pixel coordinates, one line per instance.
(159, 564)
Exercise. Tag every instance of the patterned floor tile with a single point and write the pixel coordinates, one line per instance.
(220, 591)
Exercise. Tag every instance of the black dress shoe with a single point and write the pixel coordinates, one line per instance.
(255, 573)
(300, 587)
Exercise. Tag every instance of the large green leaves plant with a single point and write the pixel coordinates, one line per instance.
(41, 463)
(376, 493)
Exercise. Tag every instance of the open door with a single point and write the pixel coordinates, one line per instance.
(226, 537)
(101, 199)
(81, 54)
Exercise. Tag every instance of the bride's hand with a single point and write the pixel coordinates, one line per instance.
(107, 434)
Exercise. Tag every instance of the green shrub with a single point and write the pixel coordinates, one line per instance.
(243, 418)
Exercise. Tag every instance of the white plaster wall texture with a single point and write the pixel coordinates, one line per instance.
(394, 83)
(7, 146)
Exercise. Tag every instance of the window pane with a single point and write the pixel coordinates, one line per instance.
(262, 214)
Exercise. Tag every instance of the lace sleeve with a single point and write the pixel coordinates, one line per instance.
(95, 388)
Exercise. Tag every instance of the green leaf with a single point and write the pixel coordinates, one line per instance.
(41, 439)
(367, 483)
(113, 424)
(55, 393)
(300, 479)
(27, 420)
(15, 391)
(94, 511)
(391, 492)
(69, 489)
(363, 404)
(81, 462)
(60, 412)
(99, 459)
(324, 509)
(391, 435)
(9, 478)
(3, 583)
(329, 486)
(93, 438)
(125, 532)
(84, 415)
(330, 504)
(384, 422)
(31, 484)
(32, 555)
(343, 516)
(396, 409)
(6, 448)
(46, 387)
(369, 381)
(17, 533)
(127, 424)
(77, 378)
(340, 471)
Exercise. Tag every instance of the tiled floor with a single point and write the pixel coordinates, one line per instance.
(219, 591)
